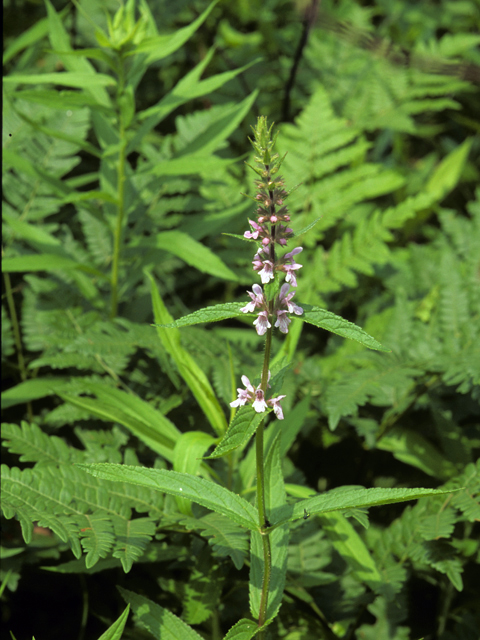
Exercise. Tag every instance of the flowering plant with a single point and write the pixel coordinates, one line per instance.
(272, 303)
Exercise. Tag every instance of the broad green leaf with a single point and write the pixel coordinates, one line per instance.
(160, 622)
(191, 251)
(208, 494)
(338, 500)
(208, 314)
(239, 431)
(115, 631)
(187, 367)
(336, 324)
(187, 457)
(114, 405)
(158, 47)
(66, 79)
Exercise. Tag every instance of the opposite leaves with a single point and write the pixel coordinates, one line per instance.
(313, 315)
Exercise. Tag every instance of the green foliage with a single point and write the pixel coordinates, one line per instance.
(124, 138)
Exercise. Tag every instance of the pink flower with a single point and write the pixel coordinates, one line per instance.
(251, 394)
(266, 274)
(290, 266)
(244, 395)
(282, 321)
(257, 229)
(259, 404)
(257, 299)
(275, 404)
(262, 323)
(284, 298)
(289, 270)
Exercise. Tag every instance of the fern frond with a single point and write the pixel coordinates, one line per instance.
(34, 445)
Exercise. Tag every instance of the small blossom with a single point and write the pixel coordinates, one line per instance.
(244, 395)
(275, 404)
(290, 271)
(262, 323)
(257, 230)
(252, 394)
(259, 404)
(257, 301)
(282, 321)
(294, 252)
(284, 298)
(266, 274)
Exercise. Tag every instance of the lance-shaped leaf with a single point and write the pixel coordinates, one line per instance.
(208, 494)
(159, 621)
(336, 324)
(187, 367)
(161, 46)
(245, 630)
(209, 314)
(115, 631)
(240, 430)
(350, 498)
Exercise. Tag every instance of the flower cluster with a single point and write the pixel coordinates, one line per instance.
(271, 231)
(256, 394)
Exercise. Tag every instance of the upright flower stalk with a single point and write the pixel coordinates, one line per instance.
(272, 301)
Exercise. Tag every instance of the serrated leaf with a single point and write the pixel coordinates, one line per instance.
(214, 313)
(243, 630)
(208, 494)
(336, 324)
(240, 430)
(115, 631)
(338, 500)
(159, 621)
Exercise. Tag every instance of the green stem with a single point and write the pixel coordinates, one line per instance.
(117, 239)
(267, 551)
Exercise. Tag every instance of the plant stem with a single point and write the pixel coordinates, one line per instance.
(117, 241)
(267, 551)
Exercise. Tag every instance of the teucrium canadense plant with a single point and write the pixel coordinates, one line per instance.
(268, 520)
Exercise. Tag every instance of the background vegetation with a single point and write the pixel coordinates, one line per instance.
(119, 181)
